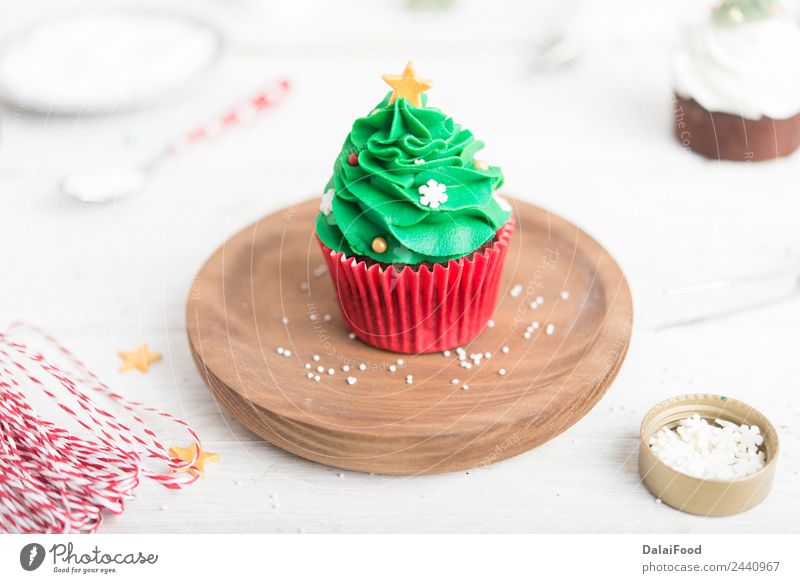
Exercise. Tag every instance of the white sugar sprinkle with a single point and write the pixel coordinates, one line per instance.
(304, 285)
(308, 365)
(345, 368)
(446, 353)
(327, 317)
(465, 387)
(400, 361)
(317, 378)
(409, 379)
(502, 372)
(550, 329)
(279, 350)
(352, 335)
(565, 295)
(454, 382)
(516, 290)
(362, 367)
(490, 323)
(534, 305)
(285, 320)
(287, 352)
(535, 325)
(527, 335)
(392, 368)
(352, 380)
(331, 371)
(310, 375)
(539, 300)
(313, 317)
(315, 358)
(505, 349)
(488, 355)
(320, 369)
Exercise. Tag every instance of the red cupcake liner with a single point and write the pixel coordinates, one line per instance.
(423, 310)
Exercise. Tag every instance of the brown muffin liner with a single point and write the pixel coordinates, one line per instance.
(722, 136)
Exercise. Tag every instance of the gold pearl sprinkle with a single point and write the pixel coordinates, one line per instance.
(379, 245)
(481, 164)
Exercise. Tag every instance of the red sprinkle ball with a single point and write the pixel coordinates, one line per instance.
(352, 159)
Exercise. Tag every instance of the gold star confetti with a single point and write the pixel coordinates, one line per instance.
(139, 359)
(408, 85)
(187, 454)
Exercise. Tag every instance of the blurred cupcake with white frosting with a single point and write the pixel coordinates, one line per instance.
(737, 83)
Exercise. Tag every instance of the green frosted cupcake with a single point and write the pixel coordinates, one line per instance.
(411, 212)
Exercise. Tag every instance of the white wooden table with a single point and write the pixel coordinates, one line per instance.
(591, 143)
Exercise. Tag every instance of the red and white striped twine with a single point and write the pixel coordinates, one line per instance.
(242, 113)
(52, 480)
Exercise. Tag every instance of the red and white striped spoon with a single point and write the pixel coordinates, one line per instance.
(113, 182)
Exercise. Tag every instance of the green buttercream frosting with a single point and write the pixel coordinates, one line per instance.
(401, 148)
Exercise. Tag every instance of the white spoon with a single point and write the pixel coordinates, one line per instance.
(113, 182)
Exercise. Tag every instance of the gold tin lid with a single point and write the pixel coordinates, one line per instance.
(695, 495)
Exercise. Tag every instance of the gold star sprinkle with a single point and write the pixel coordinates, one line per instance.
(186, 454)
(408, 85)
(139, 359)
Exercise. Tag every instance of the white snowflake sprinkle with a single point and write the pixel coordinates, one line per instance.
(433, 194)
(326, 202)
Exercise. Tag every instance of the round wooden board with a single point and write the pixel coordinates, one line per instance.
(381, 424)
